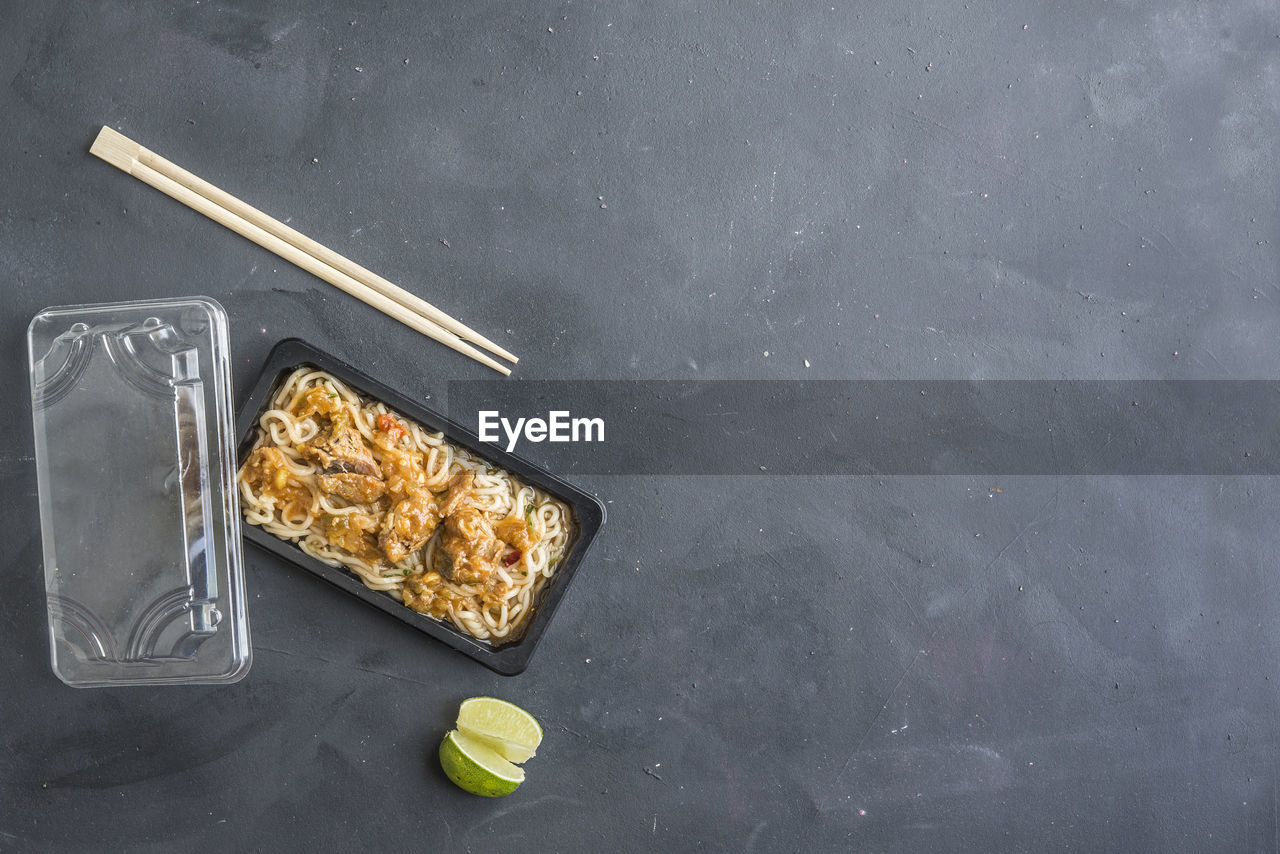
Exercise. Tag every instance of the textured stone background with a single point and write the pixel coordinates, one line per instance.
(689, 191)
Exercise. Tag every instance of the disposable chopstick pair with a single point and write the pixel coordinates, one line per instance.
(273, 235)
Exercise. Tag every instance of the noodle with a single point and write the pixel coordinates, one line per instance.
(284, 497)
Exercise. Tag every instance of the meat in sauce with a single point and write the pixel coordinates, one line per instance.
(347, 468)
(422, 594)
(354, 532)
(318, 401)
(267, 472)
(517, 532)
(340, 450)
(409, 524)
(402, 463)
(470, 548)
(468, 551)
(459, 493)
(358, 488)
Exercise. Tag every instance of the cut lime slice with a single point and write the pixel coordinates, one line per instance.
(506, 728)
(477, 768)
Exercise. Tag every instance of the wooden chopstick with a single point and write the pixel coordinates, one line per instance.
(275, 236)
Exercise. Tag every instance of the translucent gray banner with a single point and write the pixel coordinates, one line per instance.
(892, 427)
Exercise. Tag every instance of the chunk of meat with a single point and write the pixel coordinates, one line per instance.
(341, 451)
(267, 469)
(267, 473)
(402, 464)
(458, 494)
(421, 592)
(403, 471)
(354, 532)
(359, 488)
(318, 401)
(468, 551)
(408, 525)
(516, 532)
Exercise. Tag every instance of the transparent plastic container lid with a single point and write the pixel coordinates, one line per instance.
(131, 404)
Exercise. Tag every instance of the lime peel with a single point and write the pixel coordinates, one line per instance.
(477, 768)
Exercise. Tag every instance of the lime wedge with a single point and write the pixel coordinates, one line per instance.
(505, 728)
(477, 768)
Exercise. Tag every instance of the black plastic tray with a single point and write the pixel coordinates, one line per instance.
(508, 659)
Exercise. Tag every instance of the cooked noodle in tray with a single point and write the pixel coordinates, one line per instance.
(431, 524)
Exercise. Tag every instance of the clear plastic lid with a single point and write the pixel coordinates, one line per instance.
(135, 459)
